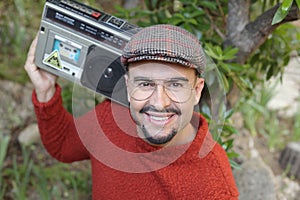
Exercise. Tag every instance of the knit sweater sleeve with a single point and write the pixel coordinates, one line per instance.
(58, 129)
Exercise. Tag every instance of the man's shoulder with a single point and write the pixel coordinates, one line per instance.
(111, 111)
(107, 103)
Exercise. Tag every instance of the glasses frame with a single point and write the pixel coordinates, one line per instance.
(164, 81)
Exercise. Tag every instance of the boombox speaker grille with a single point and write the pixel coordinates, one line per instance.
(104, 73)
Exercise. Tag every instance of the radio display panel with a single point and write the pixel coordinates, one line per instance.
(85, 28)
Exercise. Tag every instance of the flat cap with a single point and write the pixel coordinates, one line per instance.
(166, 43)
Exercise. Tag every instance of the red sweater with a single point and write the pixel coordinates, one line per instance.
(126, 167)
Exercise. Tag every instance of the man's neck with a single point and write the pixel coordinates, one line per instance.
(186, 136)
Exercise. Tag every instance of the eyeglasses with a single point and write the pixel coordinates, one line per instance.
(177, 89)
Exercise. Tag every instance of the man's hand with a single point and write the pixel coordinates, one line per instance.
(44, 82)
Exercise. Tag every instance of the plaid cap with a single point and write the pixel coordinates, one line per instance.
(166, 43)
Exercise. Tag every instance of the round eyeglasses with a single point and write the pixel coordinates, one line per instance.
(179, 90)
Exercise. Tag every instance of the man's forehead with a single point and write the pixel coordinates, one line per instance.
(163, 72)
(144, 74)
(156, 69)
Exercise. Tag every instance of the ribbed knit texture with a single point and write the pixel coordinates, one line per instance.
(188, 177)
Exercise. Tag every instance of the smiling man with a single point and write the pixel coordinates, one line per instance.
(163, 64)
(162, 97)
(153, 149)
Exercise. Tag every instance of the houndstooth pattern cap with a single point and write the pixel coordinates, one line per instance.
(166, 43)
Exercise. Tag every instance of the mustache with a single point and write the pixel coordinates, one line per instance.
(165, 110)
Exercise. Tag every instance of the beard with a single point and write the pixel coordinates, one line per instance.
(157, 139)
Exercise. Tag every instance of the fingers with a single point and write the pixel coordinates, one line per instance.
(32, 48)
(29, 65)
(43, 82)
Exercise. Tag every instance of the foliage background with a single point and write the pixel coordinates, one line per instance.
(19, 22)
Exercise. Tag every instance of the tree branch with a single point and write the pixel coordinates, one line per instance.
(238, 16)
(254, 33)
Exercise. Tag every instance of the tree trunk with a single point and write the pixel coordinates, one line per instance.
(290, 159)
(247, 36)
(130, 3)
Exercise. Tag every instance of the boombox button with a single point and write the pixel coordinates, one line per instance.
(96, 14)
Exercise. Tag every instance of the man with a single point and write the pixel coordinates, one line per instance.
(159, 148)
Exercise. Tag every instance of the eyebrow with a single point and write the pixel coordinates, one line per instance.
(142, 78)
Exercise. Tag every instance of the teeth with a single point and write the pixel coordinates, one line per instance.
(159, 118)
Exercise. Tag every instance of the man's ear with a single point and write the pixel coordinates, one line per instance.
(126, 82)
(198, 89)
(126, 79)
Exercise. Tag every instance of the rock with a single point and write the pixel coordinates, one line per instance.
(16, 107)
(255, 180)
(287, 189)
(29, 135)
(287, 93)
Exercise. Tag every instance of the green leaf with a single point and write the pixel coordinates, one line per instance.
(230, 129)
(211, 51)
(197, 13)
(246, 82)
(235, 165)
(282, 11)
(232, 154)
(208, 4)
(236, 67)
(228, 144)
(279, 16)
(219, 50)
(298, 3)
(225, 66)
(256, 106)
(229, 113)
(224, 81)
(286, 5)
(4, 140)
(229, 53)
(192, 21)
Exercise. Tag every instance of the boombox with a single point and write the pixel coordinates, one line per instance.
(84, 45)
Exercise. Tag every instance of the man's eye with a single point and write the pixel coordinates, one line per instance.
(146, 84)
(176, 85)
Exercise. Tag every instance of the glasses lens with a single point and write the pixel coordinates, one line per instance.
(179, 96)
(141, 94)
(177, 91)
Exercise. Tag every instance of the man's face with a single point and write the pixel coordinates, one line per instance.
(162, 98)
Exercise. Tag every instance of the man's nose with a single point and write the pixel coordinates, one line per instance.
(159, 98)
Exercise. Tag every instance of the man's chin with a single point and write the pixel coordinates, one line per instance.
(158, 138)
(157, 142)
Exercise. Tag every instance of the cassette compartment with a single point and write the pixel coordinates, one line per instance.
(67, 49)
(69, 53)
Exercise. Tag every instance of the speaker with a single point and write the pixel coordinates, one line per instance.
(104, 74)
